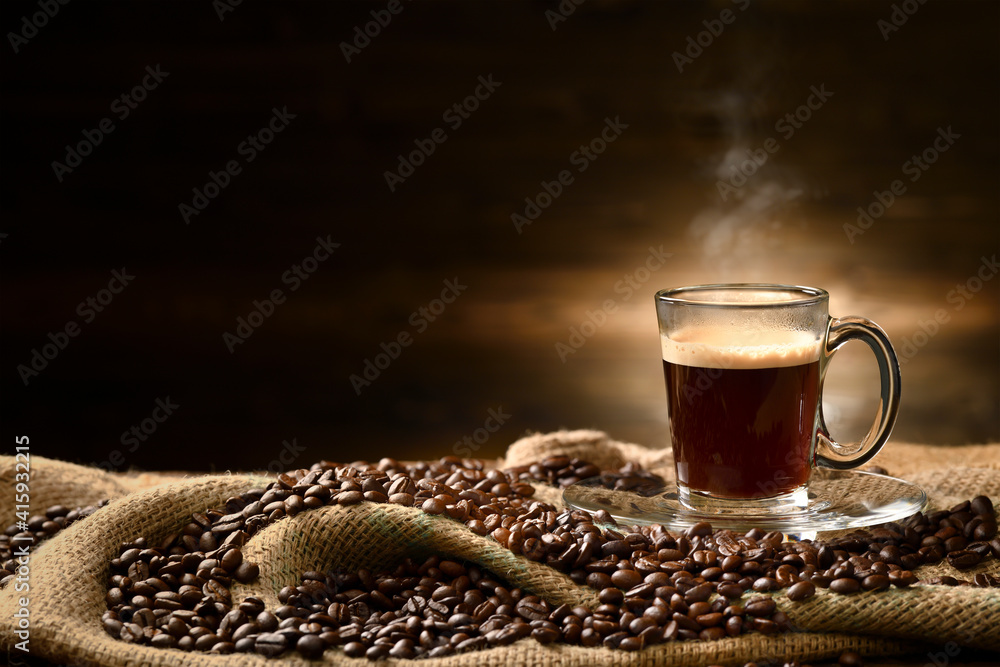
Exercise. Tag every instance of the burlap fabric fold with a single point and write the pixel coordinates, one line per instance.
(68, 573)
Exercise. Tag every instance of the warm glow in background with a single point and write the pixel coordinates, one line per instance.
(495, 346)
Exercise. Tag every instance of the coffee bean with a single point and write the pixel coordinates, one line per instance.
(698, 593)
(377, 652)
(803, 590)
(986, 530)
(875, 582)
(765, 584)
(354, 649)
(700, 529)
(955, 543)
(730, 590)
(231, 560)
(845, 586)
(433, 506)
(643, 590)
(246, 572)
(626, 579)
(963, 560)
(402, 649)
(981, 505)
(532, 609)
(710, 620)
(216, 591)
(544, 635)
(902, 578)
(760, 606)
(630, 644)
(352, 497)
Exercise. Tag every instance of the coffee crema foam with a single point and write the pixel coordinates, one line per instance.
(718, 348)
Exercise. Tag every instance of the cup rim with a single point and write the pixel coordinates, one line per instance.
(809, 295)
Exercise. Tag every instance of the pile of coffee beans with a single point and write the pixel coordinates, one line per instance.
(563, 471)
(39, 528)
(652, 585)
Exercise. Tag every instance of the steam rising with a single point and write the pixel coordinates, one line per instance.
(736, 235)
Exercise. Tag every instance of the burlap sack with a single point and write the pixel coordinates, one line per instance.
(68, 573)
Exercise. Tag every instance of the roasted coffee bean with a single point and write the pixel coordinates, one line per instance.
(986, 530)
(544, 635)
(626, 579)
(803, 590)
(700, 529)
(246, 572)
(532, 609)
(631, 644)
(352, 497)
(765, 584)
(875, 582)
(206, 641)
(845, 586)
(231, 559)
(354, 649)
(760, 606)
(730, 590)
(963, 560)
(981, 505)
(377, 652)
(698, 593)
(902, 578)
(955, 543)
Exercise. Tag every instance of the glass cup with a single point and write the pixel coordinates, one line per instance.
(744, 367)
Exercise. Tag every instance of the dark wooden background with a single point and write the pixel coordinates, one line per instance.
(495, 347)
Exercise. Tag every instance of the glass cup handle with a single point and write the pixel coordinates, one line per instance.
(829, 452)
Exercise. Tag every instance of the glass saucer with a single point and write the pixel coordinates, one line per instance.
(838, 500)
